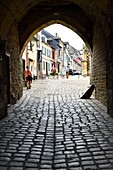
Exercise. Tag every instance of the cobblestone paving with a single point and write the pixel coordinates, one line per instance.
(51, 128)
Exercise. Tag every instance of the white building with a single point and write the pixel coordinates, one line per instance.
(30, 55)
(46, 57)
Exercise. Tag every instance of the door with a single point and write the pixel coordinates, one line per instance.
(46, 68)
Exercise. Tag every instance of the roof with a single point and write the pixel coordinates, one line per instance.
(47, 34)
(50, 39)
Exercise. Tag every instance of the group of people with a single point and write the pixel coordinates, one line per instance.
(65, 72)
(28, 75)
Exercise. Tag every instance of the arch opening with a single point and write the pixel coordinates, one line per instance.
(71, 16)
(75, 63)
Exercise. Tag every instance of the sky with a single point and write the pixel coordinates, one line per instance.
(66, 34)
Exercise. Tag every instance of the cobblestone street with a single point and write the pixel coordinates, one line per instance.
(51, 128)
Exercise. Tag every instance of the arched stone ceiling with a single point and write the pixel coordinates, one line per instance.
(69, 15)
(29, 15)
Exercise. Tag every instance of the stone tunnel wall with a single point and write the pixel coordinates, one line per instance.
(99, 63)
(12, 47)
(3, 80)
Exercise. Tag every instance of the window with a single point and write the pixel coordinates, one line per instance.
(48, 66)
(43, 65)
(38, 43)
(39, 56)
(29, 46)
(48, 53)
(43, 50)
(53, 55)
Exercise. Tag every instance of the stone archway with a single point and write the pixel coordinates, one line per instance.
(88, 18)
(69, 15)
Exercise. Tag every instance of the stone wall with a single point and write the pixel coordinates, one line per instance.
(15, 62)
(99, 63)
(109, 47)
(10, 70)
(3, 80)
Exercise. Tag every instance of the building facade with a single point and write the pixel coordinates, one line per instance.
(86, 62)
(45, 53)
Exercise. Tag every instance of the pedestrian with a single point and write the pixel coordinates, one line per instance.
(67, 72)
(63, 72)
(28, 77)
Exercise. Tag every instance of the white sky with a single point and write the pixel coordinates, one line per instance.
(66, 34)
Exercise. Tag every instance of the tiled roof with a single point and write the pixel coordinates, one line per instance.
(50, 39)
(47, 34)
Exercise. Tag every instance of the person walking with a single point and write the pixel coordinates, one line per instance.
(63, 72)
(28, 77)
(67, 72)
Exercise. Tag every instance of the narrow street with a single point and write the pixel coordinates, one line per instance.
(51, 128)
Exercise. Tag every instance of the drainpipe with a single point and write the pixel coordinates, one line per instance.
(27, 58)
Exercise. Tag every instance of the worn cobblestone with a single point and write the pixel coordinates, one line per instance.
(50, 127)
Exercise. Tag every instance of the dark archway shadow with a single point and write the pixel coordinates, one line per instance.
(41, 16)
